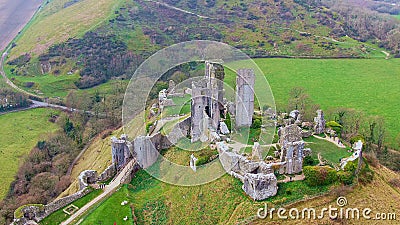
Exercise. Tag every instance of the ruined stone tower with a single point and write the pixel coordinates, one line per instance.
(244, 97)
(121, 150)
(207, 102)
(320, 122)
(292, 148)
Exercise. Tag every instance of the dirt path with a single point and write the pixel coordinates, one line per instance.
(236, 146)
(178, 9)
(163, 121)
(109, 189)
(330, 140)
(295, 178)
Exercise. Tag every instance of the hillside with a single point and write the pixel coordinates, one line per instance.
(137, 29)
(20, 133)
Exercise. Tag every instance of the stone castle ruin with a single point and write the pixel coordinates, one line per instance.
(206, 123)
(208, 109)
(207, 103)
(292, 148)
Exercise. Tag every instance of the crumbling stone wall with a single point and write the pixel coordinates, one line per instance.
(37, 214)
(292, 149)
(260, 186)
(259, 180)
(180, 130)
(107, 173)
(87, 177)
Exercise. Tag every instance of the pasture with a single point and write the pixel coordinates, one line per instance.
(20, 132)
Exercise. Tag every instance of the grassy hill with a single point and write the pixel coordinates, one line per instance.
(20, 133)
(60, 20)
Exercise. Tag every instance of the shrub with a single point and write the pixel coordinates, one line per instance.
(318, 176)
(366, 175)
(351, 166)
(148, 125)
(275, 139)
(334, 126)
(345, 177)
(256, 124)
(309, 161)
(356, 138)
(228, 121)
(205, 156)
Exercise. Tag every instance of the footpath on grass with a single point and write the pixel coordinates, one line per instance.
(108, 190)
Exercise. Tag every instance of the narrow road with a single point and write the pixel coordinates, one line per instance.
(109, 189)
(8, 81)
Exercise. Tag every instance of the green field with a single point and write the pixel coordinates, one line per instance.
(370, 85)
(58, 216)
(49, 85)
(328, 150)
(20, 132)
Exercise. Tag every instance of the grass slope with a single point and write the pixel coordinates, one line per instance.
(96, 157)
(20, 132)
(56, 24)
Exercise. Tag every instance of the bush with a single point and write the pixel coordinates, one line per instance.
(334, 126)
(356, 138)
(275, 139)
(345, 177)
(366, 175)
(205, 156)
(228, 121)
(256, 123)
(318, 176)
(148, 125)
(351, 166)
(309, 161)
